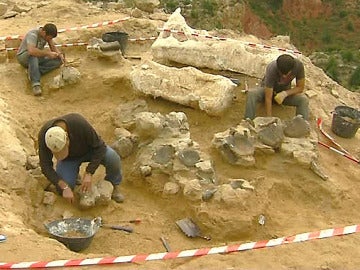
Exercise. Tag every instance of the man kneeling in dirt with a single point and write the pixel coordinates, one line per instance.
(276, 85)
(31, 54)
(72, 140)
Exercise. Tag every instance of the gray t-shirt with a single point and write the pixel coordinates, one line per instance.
(32, 37)
(274, 80)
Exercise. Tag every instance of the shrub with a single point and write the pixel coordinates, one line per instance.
(350, 26)
(194, 14)
(331, 69)
(326, 37)
(347, 56)
(343, 13)
(209, 6)
(276, 4)
(171, 6)
(355, 78)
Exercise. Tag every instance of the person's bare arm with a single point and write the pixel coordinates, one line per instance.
(33, 51)
(299, 88)
(268, 101)
(53, 48)
(67, 193)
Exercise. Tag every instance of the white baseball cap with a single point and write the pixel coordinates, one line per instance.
(56, 141)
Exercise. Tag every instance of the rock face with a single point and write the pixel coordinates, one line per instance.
(192, 48)
(187, 86)
(12, 151)
(306, 8)
(253, 25)
(147, 5)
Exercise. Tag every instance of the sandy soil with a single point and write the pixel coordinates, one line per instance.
(293, 199)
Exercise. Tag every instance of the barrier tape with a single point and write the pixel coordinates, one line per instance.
(188, 253)
(342, 151)
(339, 152)
(11, 37)
(95, 25)
(319, 124)
(142, 39)
(222, 39)
(57, 45)
(82, 43)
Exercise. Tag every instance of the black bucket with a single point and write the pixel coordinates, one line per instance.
(75, 233)
(120, 37)
(345, 122)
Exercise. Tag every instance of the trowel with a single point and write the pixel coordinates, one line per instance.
(190, 228)
(98, 220)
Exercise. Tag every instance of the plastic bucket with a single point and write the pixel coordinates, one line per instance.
(345, 122)
(121, 37)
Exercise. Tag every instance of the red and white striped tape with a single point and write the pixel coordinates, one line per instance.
(82, 43)
(11, 37)
(193, 34)
(57, 45)
(142, 39)
(95, 25)
(221, 39)
(188, 253)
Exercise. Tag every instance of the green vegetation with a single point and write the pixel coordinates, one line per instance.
(335, 34)
(355, 79)
(350, 27)
(347, 56)
(209, 6)
(170, 5)
(326, 37)
(331, 69)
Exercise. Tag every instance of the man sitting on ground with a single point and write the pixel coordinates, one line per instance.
(276, 85)
(31, 54)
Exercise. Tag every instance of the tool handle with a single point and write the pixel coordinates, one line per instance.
(2, 238)
(165, 244)
(122, 228)
(208, 238)
(135, 221)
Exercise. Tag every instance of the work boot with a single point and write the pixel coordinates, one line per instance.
(37, 90)
(116, 195)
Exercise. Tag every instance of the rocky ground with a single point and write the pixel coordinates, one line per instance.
(292, 198)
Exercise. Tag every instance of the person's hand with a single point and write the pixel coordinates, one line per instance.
(53, 55)
(279, 98)
(62, 57)
(68, 194)
(86, 182)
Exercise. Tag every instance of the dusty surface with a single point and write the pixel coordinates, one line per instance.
(293, 199)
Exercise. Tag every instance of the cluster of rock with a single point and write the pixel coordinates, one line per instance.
(9, 9)
(163, 146)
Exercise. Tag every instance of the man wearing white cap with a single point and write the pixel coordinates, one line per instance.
(72, 140)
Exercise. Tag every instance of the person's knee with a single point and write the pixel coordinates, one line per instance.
(68, 172)
(113, 158)
(251, 96)
(58, 63)
(303, 107)
(305, 100)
